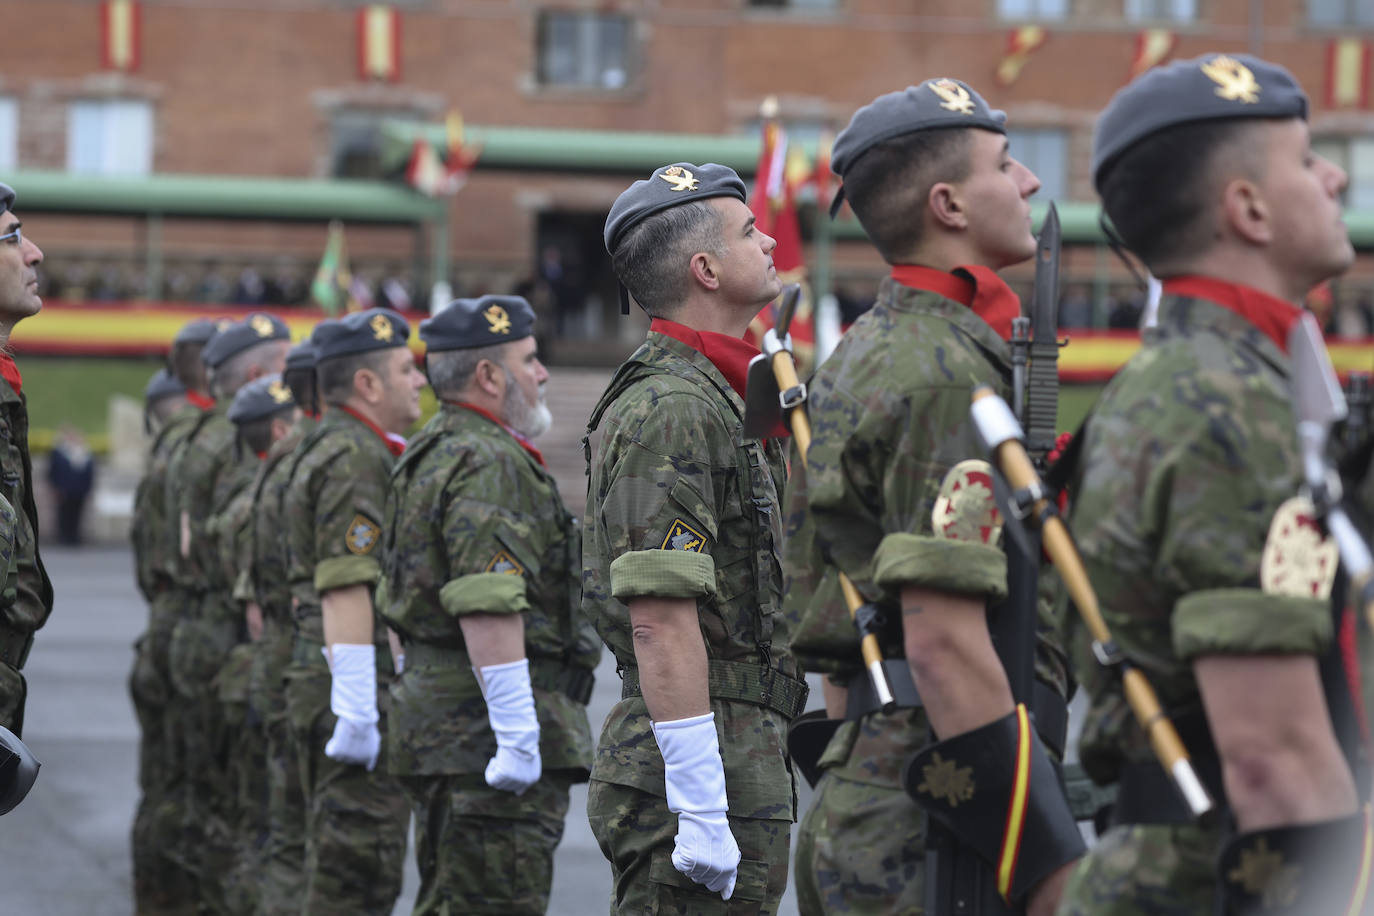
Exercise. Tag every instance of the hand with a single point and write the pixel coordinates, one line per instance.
(694, 782)
(513, 769)
(510, 710)
(705, 851)
(252, 619)
(398, 652)
(355, 742)
(1044, 897)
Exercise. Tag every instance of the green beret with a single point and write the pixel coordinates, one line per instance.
(260, 398)
(669, 186)
(257, 328)
(360, 332)
(1209, 88)
(163, 384)
(468, 323)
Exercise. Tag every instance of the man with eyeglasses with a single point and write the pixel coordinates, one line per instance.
(19, 260)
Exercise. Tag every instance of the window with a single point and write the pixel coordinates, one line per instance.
(1032, 9)
(1046, 153)
(110, 136)
(1161, 10)
(1337, 13)
(1356, 157)
(9, 135)
(355, 142)
(584, 49)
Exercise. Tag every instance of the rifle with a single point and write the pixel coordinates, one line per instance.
(1031, 499)
(1358, 396)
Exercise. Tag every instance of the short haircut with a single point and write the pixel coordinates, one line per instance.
(257, 434)
(162, 408)
(304, 388)
(238, 370)
(651, 260)
(450, 371)
(888, 185)
(185, 363)
(1160, 194)
(335, 375)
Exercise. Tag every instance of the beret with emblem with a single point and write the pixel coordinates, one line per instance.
(6, 197)
(301, 356)
(199, 330)
(482, 322)
(1208, 88)
(163, 384)
(260, 398)
(669, 186)
(360, 332)
(257, 328)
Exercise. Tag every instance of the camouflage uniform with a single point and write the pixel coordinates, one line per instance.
(681, 505)
(356, 820)
(159, 885)
(890, 416)
(1189, 453)
(453, 550)
(262, 578)
(33, 604)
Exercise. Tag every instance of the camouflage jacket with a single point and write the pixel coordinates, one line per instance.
(475, 525)
(890, 418)
(202, 476)
(152, 563)
(229, 528)
(33, 602)
(1188, 455)
(332, 512)
(262, 574)
(681, 505)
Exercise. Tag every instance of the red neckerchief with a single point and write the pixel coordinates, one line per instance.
(526, 444)
(200, 400)
(315, 415)
(978, 288)
(10, 372)
(1272, 316)
(730, 355)
(394, 444)
(262, 456)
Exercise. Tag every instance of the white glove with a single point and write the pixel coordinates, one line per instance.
(704, 849)
(353, 698)
(510, 709)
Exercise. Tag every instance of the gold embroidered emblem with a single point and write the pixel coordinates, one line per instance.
(680, 179)
(505, 564)
(682, 536)
(946, 781)
(497, 319)
(966, 508)
(1297, 561)
(1261, 873)
(956, 97)
(261, 325)
(381, 328)
(1235, 82)
(279, 392)
(361, 536)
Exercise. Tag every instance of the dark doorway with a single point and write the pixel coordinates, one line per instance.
(575, 281)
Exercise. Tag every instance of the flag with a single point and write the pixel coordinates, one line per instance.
(379, 43)
(1152, 48)
(425, 173)
(332, 287)
(119, 35)
(1022, 42)
(823, 177)
(436, 177)
(1347, 73)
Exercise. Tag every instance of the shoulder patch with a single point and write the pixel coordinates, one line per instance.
(362, 535)
(682, 536)
(505, 564)
(966, 509)
(1297, 560)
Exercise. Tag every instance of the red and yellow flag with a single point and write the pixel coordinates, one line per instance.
(119, 35)
(379, 43)
(1347, 73)
(1152, 48)
(1021, 44)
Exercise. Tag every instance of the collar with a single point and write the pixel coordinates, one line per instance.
(394, 443)
(204, 402)
(526, 444)
(1273, 317)
(10, 372)
(978, 288)
(730, 355)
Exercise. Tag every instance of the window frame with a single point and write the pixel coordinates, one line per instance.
(9, 134)
(1019, 139)
(1036, 13)
(1154, 17)
(585, 59)
(116, 155)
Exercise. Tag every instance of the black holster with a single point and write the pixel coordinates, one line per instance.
(1305, 869)
(807, 738)
(18, 770)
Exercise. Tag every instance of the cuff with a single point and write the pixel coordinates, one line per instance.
(663, 574)
(341, 572)
(1246, 621)
(485, 593)
(952, 566)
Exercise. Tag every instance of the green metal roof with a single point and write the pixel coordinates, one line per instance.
(218, 196)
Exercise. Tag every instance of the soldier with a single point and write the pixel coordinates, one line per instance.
(263, 589)
(928, 172)
(203, 475)
(483, 567)
(341, 661)
(1206, 170)
(680, 567)
(19, 260)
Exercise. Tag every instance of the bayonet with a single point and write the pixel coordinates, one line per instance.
(1042, 382)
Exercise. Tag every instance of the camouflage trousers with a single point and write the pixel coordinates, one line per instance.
(1145, 870)
(482, 851)
(282, 877)
(635, 831)
(245, 804)
(356, 820)
(13, 693)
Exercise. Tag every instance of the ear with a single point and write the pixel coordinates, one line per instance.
(1245, 212)
(945, 206)
(368, 385)
(280, 429)
(489, 377)
(704, 270)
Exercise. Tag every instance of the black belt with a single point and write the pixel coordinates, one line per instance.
(549, 674)
(748, 682)
(1047, 708)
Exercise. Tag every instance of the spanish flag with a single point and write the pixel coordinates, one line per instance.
(1021, 44)
(119, 35)
(1152, 48)
(379, 43)
(1347, 73)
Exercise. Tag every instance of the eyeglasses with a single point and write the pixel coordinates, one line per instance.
(14, 234)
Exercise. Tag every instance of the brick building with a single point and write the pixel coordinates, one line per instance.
(298, 88)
